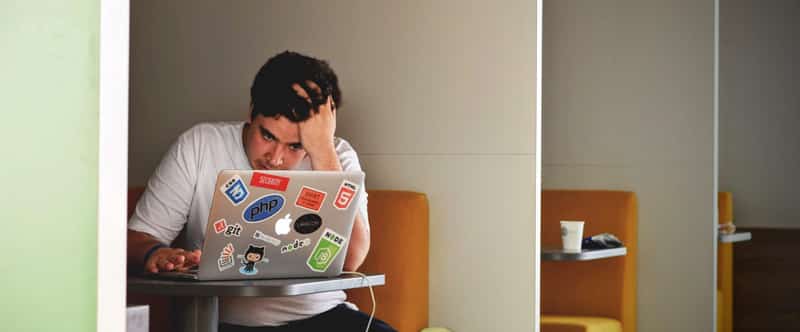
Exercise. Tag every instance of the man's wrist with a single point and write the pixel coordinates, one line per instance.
(152, 250)
(325, 159)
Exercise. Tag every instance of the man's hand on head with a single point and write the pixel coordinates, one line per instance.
(172, 259)
(316, 133)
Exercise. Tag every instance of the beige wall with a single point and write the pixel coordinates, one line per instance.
(760, 110)
(628, 105)
(439, 98)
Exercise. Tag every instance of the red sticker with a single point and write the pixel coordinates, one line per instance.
(310, 198)
(220, 226)
(269, 181)
(345, 195)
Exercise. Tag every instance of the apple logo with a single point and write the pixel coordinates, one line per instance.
(282, 226)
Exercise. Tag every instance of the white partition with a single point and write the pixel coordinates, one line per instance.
(439, 97)
(628, 104)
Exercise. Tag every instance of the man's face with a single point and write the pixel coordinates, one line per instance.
(273, 143)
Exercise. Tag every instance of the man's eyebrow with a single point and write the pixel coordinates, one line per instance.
(266, 132)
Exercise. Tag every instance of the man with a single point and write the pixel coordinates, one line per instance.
(294, 100)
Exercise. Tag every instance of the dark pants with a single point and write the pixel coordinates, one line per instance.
(340, 318)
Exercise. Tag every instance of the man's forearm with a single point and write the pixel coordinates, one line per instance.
(359, 245)
(138, 245)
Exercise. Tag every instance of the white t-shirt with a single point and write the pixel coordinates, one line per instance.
(179, 194)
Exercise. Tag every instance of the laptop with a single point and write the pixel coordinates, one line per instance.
(277, 224)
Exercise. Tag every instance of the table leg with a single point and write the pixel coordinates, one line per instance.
(198, 313)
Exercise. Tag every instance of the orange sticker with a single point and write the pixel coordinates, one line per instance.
(310, 198)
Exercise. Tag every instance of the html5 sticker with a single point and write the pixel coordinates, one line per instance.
(347, 191)
(269, 181)
(310, 198)
(220, 226)
(235, 190)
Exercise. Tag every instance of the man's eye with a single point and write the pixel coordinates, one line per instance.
(269, 137)
(295, 147)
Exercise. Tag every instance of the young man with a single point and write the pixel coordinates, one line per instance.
(294, 100)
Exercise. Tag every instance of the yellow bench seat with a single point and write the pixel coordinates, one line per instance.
(550, 323)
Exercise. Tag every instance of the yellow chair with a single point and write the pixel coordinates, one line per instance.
(725, 267)
(398, 219)
(590, 296)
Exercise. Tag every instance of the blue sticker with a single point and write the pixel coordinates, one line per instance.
(235, 190)
(263, 208)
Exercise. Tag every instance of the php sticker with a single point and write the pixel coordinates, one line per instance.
(235, 190)
(263, 208)
(259, 235)
(310, 198)
(328, 246)
(251, 257)
(269, 181)
(225, 260)
(307, 223)
(345, 195)
(233, 230)
(220, 226)
(297, 244)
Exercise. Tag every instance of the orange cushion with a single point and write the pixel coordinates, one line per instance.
(398, 219)
(600, 288)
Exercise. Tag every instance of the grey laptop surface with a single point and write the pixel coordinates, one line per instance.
(278, 224)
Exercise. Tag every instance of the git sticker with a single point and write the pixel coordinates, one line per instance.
(225, 260)
(233, 230)
(220, 226)
(235, 190)
(269, 181)
(325, 251)
(345, 195)
(310, 198)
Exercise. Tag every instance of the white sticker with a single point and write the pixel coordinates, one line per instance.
(258, 235)
(225, 260)
(283, 225)
(295, 245)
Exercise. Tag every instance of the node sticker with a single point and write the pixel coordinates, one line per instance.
(325, 251)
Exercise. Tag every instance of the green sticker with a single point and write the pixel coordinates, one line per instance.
(325, 251)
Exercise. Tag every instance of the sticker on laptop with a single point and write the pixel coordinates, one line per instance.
(269, 181)
(233, 230)
(251, 257)
(310, 198)
(259, 235)
(284, 225)
(345, 195)
(263, 208)
(225, 260)
(235, 190)
(220, 226)
(296, 244)
(307, 223)
(328, 246)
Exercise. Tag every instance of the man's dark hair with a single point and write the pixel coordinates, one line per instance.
(272, 95)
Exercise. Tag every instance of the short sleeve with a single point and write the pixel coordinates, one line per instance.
(349, 160)
(163, 209)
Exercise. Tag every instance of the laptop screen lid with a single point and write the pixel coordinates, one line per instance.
(280, 224)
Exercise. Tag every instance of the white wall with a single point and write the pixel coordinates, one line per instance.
(628, 105)
(760, 110)
(440, 97)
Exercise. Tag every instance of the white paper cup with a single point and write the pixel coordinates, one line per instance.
(571, 235)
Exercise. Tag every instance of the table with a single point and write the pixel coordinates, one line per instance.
(735, 237)
(558, 254)
(200, 312)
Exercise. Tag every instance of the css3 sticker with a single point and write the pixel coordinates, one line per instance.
(235, 190)
(325, 251)
(263, 208)
(345, 195)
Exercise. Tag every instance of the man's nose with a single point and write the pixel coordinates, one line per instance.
(276, 155)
